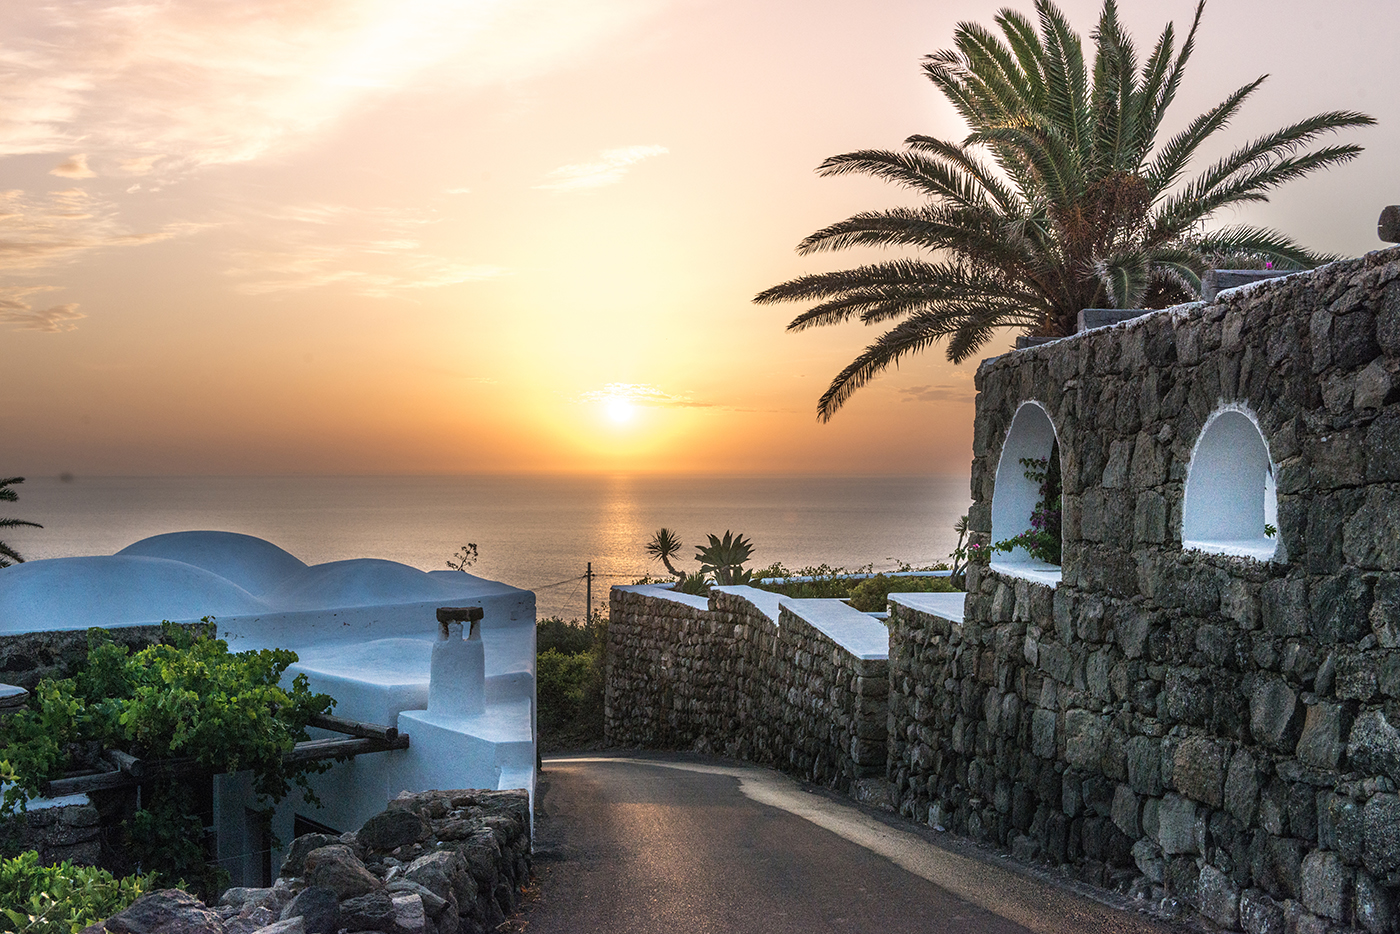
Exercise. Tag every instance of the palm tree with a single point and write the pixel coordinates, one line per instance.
(7, 554)
(1061, 198)
(664, 546)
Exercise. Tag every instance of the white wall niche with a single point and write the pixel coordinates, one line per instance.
(1230, 489)
(1014, 497)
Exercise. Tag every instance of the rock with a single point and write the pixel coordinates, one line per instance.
(370, 912)
(1321, 744)
(409, 914)
(1148, 858)
(295, 862)
(393, 828)
(1217, 897)
(433, 904)
(1373, 908)
(1380, 818)
(1198, 770)
(1374, 745)
(290, 926)
(1327, 884)
(168, 911)
(1084, 738)
(337, 868)
(1176, 825)
(1144, 765)
(318, 908)
(249, 920)
(1274, 715)
(1260, 914)
(1125, 812)
(1242, 787)
(1043, 733)
(443, 872)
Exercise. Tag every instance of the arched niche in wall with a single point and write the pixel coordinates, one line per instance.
(1015, 496)
(1230, 495)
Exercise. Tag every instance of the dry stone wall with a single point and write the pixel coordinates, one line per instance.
(728, 678)
(1211, 732)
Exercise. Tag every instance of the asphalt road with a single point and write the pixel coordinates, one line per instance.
(683, 845)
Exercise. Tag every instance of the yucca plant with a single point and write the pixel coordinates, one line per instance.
(664, 546)
(1061, 197)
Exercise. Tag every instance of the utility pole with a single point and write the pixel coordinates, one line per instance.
(589, 575)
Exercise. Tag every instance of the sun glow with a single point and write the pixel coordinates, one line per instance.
(620, 410)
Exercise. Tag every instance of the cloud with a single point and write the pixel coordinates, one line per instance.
(43, 230)
(372, 251)
(25, 317)
(945, 393)
(73, 167)
(641, 394)
(611, 166)
(228, 81)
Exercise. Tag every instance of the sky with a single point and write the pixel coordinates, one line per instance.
(496, 236)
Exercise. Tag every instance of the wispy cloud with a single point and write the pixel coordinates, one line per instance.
(39, 231)
(372, 251)
(226, 81)
(949, 392)
(73, 167)
(16, 310)
(611, 166)
(642, 394)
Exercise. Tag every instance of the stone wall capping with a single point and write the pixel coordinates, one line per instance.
(765, 601)
(948, 606)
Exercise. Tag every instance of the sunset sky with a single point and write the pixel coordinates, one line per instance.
(458, 236)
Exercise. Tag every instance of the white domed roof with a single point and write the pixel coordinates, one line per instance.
(254, 564)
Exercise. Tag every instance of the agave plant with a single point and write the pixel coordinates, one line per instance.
(725, 557)
(8, 555)
(1061, 197)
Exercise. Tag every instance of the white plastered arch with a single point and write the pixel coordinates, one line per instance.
(1230, 491)
(1014, 497)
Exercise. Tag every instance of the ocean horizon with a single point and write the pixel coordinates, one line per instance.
(535, 532)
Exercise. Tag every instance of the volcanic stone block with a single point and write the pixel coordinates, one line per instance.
(1388, 227)
(1275, 716)
(1373, 908)
(1374, 745)
(1198, 770)
(1217, 897)
(1242, 787)
(1369, 540)
(1176, 825)
(1327, 884)
(1084, 738)
(1043, 733)
(1260, 914)
(1381, 816)
(1323, 738)
(1285, 606)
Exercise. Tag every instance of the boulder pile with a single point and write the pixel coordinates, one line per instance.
(434, 862)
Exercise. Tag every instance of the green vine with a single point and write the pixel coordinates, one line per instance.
(186, 697)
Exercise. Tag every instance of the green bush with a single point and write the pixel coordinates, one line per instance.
(62, 899)
(185, 697)
(569, 680)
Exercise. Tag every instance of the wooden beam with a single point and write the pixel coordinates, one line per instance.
(355, 727)
(133, 771)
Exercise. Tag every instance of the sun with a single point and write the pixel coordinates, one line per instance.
(619, 409)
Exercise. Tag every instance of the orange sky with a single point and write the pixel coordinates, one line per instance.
(436, 236)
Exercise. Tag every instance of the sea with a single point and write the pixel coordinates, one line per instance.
(540, 533)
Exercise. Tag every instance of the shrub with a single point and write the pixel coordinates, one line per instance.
(61, 899)
(867, 594)
(569, 680)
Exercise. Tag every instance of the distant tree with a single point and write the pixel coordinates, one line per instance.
(8, 555)
(463, 559)
(1080, 206)
(664, 546)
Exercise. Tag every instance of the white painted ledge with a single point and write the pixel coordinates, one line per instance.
(664, 592)
(1031, 569)
(947, 606)
(854, 631)
(765, 601)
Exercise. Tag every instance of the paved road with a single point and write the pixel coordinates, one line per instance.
(682, 845)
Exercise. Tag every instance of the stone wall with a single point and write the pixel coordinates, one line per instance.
(29, 657)
(729, 678)
(1203, 730)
